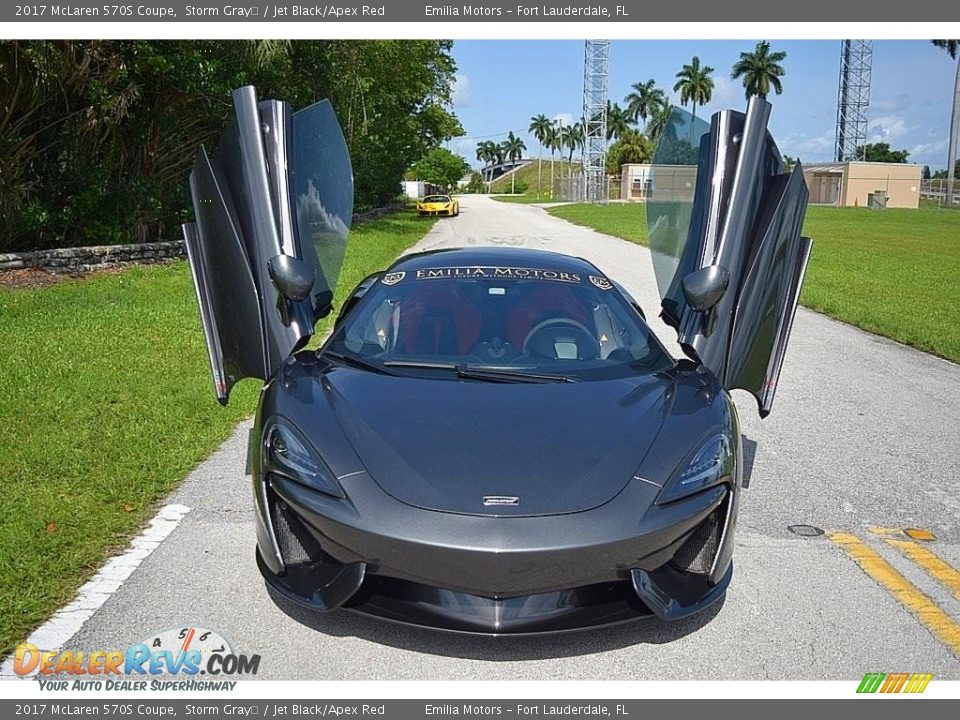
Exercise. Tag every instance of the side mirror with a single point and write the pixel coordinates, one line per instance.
(292, 276)
(704, 288)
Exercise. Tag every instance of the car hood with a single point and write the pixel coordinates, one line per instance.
(447, 445)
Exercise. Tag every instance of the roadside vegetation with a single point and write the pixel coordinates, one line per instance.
(97, 137)
(108, 404)
(890, 272)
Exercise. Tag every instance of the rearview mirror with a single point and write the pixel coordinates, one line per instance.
(292, 276)
(704, 288)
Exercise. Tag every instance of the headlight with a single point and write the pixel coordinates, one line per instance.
(288, 453)
(711, 463)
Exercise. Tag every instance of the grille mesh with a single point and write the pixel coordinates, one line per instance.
(297, 545)
(697, 553)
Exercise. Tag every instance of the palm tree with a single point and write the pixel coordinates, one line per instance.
(487, 153)
(618, 121)
(482, 155)
(760, 70)
(953, 50)
(644, 100)
(552, 142)
(539, 125)
(513, 148)
(662, 123)
(572, 138)
(694, 85)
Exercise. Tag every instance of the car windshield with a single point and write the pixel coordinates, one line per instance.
(487, 320)
(437, 199)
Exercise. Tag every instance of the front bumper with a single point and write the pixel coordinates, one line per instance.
(428, 212)
(494, 575)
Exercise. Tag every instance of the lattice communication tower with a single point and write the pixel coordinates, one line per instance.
(596, 72)
(853, 98)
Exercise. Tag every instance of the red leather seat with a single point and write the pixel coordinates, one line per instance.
(438, 320)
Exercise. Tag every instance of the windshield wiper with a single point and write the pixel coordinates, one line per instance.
(354, 361)
(480, 372)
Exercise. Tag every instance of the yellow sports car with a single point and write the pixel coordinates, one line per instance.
(438, 205)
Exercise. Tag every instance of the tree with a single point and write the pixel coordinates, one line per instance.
(881, 152)
(513, 148)
(539, 125)
(476, 185)
(552, 141)
(663, 123)
(632, 147)
(97, 137)
(618, 121)
(572, 136)
(760, 70)
(694, 85)
(487, 154)
(644, 100)
(441, 167)
(952, 48)
(943, 174)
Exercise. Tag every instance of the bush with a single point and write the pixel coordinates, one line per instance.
(476, 185)
(97, 137)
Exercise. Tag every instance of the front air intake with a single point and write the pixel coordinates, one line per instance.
(297, 545)
(697, 553)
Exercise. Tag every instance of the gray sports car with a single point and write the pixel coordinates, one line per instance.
(493, 440)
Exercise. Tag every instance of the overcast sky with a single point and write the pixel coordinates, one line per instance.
(501, 84)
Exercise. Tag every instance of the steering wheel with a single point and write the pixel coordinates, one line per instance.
(587, 345)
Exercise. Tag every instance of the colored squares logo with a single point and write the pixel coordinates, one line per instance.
(894, 683)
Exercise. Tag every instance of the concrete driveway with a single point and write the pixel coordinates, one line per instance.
(864, 436)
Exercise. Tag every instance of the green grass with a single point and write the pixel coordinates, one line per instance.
(931, 204)
(890, 272)
(107, 405)
(622, 220)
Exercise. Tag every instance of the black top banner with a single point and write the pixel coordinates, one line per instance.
(497, 11)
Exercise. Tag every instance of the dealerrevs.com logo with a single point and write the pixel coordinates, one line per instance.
(184, 658)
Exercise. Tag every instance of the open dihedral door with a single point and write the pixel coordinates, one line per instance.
(725, 219)
(273, 209)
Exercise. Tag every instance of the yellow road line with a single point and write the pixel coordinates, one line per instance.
(935, 566)
(945, 628)
(885, 530)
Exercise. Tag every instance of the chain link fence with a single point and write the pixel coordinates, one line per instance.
(936, 191)
(573, 189)
(877, 192)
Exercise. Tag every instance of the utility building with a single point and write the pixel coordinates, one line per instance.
(864, 184)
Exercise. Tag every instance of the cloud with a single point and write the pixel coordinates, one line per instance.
(886, 128)
(727, 93)
(461, 90)
(932, 153)
(891, 104)
(818, 148)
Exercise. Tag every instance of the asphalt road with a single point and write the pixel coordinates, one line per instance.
(865, 434)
